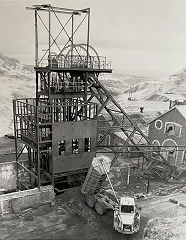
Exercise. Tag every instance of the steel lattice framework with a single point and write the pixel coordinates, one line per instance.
(69, 99)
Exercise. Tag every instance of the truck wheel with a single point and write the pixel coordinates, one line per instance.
(100, 208)
(90, 200)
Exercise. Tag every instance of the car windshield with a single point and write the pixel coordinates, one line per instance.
(127, 209)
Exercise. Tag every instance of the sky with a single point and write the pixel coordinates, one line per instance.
(138, 36)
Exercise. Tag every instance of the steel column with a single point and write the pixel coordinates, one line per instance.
(36, 40)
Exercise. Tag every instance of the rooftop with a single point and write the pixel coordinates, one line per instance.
(182, 110)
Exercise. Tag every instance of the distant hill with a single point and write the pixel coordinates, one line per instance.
(162, 89)
(13, 66)
(153, 94)
(17, 81)
(120, 83)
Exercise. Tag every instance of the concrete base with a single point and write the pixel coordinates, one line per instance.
(15, 202)
(8, 175)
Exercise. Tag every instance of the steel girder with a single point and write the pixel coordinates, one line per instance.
(133, 135)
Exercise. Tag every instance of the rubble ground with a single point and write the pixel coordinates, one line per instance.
(167, 218)
(71, 218)
(68, 219)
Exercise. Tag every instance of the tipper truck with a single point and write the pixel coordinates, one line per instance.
(126, 216)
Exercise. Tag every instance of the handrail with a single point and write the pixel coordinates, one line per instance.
(76, 61)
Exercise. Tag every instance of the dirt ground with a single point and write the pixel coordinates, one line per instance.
(167, 219)
(71, 218)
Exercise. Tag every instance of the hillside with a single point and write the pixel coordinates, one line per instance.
(142, 88)
(119, 84)
(162, 89)
(17, 81)
(153, 94)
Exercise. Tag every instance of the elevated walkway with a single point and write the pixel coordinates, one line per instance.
(74, 63)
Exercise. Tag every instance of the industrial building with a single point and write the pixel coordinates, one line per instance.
(168, 131)
(60, 129)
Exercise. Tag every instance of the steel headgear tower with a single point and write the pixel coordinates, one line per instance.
(59, 126)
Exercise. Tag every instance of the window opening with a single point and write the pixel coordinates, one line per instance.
(158, 124)
(87, 144)
(100, 137)
(172, 153)
(157, 144)
(61, 147)
(173, 129)
(127, 209)
(75, 148)
(107, 140)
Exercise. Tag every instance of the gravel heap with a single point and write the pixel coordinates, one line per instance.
(73, 202)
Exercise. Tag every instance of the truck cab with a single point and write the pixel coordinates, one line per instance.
(126, 216)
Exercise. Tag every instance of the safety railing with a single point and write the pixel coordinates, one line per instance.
(33, 122)
(76, 61)
(30, 114)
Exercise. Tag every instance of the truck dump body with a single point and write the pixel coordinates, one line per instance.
(96, 175)
(126, 216)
